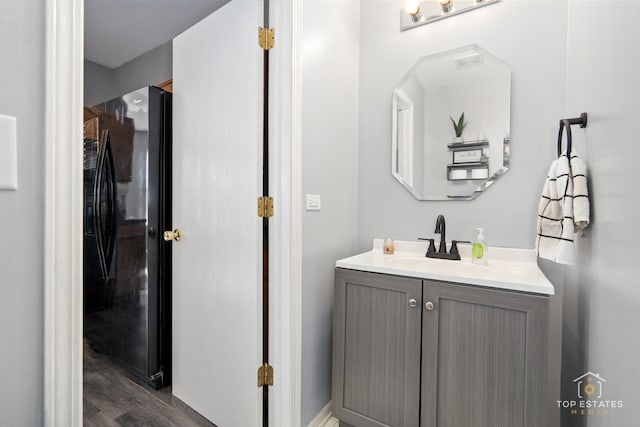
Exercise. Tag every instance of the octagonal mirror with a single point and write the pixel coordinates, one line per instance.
(450, 124)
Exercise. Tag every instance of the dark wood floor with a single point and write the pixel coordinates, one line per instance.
(111, 398)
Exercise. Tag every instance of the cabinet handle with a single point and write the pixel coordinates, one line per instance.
(413, 303)
(429, 305)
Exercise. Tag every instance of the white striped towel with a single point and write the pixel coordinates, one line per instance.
(563, 210)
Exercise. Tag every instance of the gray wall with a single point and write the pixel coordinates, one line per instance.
(99, 83)
(21, 215)
(329, 144)
(511, 31)
(151, 68)
(565, 69)
(601, 296)
(602, 293)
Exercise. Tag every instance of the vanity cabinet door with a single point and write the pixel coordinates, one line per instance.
(484, 355)
(376, 354)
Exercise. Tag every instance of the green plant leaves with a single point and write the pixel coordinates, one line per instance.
(459, 126)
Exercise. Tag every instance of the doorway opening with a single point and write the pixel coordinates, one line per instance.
(126, 263)
(63, 219)
(127, 205)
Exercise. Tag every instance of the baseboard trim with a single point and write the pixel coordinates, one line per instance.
(324, 418)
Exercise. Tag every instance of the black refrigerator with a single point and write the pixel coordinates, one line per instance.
(127, 206)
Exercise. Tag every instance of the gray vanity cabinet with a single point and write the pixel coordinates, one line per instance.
(484, 354)
(459, 356)
(376, 357)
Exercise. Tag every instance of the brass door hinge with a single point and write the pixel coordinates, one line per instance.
(265, 375)
(265, 207)
(266, 37)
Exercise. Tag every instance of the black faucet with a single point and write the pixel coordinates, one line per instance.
(442, 249)
(441, 228)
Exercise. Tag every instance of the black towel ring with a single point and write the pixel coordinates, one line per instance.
(566, 123)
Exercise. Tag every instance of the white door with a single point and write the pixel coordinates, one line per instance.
(217, 163)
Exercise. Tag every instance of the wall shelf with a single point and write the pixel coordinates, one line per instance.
(467, 161)
(455, 146)
(467, 171)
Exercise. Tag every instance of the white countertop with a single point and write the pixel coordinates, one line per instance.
(512, 269)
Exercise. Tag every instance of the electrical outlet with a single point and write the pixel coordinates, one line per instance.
(313, 202)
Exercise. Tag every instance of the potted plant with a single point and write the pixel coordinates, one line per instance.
(458, 127)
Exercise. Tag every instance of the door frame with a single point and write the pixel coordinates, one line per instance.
(64, 79)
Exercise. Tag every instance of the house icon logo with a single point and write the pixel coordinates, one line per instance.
(590, 385)
(589, 402)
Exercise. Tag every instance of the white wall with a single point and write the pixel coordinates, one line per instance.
(329, 165)
(511, 30)
(21, 215)
(602, 293)
(151, 68)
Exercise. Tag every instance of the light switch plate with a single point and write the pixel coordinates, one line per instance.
(313, 202)
(8, 154)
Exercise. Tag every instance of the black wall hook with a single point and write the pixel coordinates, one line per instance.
(567, 123)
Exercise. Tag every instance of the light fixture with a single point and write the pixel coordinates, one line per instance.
(413, 9)
(416, 13)
(447, 6)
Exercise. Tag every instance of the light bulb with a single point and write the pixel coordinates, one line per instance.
(447, 6)
(412, 7)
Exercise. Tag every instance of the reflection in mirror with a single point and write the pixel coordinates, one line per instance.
(450, 124)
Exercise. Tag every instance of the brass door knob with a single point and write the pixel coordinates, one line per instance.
(172, 235)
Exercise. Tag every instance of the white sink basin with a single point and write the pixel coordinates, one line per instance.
(513, 269)
(433, 264)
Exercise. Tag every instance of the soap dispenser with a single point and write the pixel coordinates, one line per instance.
(479, 248)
